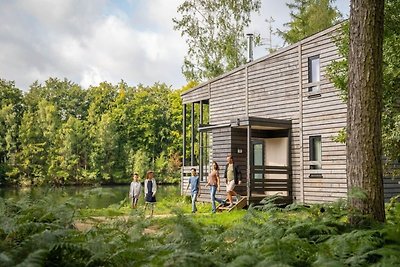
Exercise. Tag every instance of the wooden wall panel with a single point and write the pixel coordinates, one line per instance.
(272, 88)
(324, 115)
(197, 94)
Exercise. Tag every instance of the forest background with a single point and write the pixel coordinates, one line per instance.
(59, 133)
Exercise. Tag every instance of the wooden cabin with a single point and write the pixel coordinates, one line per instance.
(278, 116)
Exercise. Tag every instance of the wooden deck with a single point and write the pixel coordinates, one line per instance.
(241, 189)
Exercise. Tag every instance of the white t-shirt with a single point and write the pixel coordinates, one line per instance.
(135, 189)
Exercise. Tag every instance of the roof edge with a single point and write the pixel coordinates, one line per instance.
(278, 52)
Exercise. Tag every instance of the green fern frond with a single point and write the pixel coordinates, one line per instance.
(35, 259)
(185, 233)
(185, 258)
(6, 260)
(312, 231)
(325, 261)
(68, 254)
(245, 260)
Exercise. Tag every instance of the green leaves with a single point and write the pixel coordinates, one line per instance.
(309, 17)
(214, 32)
(68, 135)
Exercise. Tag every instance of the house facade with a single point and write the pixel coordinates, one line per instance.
(279, 117)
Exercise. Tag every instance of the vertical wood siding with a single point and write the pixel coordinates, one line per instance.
(273, 92)
(323, 115)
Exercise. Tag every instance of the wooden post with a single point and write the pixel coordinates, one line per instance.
(201, 143)
(289, 163)
(299, 48)
(192, 136)
(184, 136)
(249, 162)
(183, 146)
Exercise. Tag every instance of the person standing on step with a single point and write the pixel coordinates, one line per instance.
(194, 188)
(150, 189)
(233, 177)
(214, 182)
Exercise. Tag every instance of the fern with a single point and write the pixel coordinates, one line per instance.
(312, 231)
(35, 258)
(42, 234)
(357, 248)
(185, 258)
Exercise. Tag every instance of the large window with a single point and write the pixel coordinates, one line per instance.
(315, 152)
(313, 73)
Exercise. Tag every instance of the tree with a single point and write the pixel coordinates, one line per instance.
(11, 110)
(309, 17)
(364, 149)
(338, 74)
(31, 157)
(215, 35)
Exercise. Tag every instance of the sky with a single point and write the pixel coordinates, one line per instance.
(92, 41)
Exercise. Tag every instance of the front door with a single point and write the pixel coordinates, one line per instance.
(270, 173)
(258, 163)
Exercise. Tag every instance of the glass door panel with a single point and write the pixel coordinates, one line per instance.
(258, 159)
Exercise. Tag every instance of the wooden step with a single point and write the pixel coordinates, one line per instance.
(236, 205)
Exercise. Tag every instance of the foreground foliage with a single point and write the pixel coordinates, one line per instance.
(45, 234)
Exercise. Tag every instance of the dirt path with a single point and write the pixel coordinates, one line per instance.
(84, 225)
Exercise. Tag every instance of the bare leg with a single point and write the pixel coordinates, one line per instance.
(229, 194)
(152, 209)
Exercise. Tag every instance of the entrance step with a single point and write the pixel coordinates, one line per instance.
(236, 205)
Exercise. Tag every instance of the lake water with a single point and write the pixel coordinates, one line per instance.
(95, 197)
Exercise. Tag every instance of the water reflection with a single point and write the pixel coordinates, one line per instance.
(96, 197)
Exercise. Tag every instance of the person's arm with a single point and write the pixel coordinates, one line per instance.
(198, 186)
(154, 187)
(131, 190)
(218, 182)
(139, 188)
(226, 173)
(208, 180)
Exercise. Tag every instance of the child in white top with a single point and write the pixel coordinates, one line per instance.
(134, 191)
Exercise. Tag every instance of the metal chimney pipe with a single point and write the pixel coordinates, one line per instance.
(249, 47)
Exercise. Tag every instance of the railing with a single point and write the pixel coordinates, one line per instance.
(266, 180)
(269, 180)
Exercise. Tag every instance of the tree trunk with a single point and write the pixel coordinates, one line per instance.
(364, 148)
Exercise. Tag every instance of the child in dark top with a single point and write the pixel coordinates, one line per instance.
(150, 189)
(194, 188)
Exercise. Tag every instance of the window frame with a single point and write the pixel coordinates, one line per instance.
(315, 164)
(314, 85)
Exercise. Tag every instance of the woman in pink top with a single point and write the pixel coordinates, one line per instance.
(214, 182)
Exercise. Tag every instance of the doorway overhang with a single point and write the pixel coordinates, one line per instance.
(258, 123)
(255, 123)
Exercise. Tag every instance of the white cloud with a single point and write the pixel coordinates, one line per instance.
(92, 41)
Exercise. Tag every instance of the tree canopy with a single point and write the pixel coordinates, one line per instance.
(214, 32)
(59, 133)
(309, 17)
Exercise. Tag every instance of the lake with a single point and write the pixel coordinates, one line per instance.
(95, 197)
